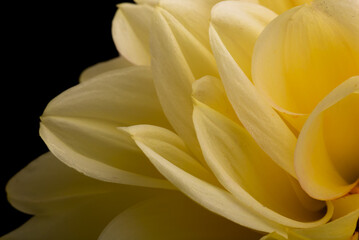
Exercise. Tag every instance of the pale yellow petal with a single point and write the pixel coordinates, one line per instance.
(210, 91)
(176, 165)
(103, 67)
(345, 205)
(248, 173)
(327, 150)
(67, 204)
(80, 126)
(280, 6)
(173, 217)
(305, 53)
(130, 32)
(257, 116)
(339, 229)
(238, 24)
(173, 75)
(273, 236)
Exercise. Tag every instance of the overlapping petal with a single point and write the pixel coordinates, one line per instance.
(326, 157)
(80, 126)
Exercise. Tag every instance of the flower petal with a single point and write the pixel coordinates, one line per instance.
(248, 173)
(172, 217)
(172, 46)
(238, 24)
(89, 114)
(173, 165)
(258, 117)
(339, 229)
(130, 32)
(67, 204)
(273, 236)
(280, 6)
(327, 150)
(345, 205)
(103, 67)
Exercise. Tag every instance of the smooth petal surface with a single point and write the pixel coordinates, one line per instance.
(80, 126)
(305, 53)
(345, 205)
(248, 173)
(238, 24)
(173, 217)
(67, 204)
(177, 60)
(130, 32)
(326, 156)
(273, 236)
(103, 67)
(257, 116)
(280, 6)
(174, 166)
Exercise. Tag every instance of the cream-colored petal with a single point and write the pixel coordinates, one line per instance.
(248, 173)
(345, 205)
(257, 116)
(67, 204)
(210, 91)
(103, 67)
(339, 229)
(305, 53)
(130, 32)
(327, 150)
(238, 24)
(173, 217)
(80, 126)
(280, 6)
(175, 166)
(172, 46)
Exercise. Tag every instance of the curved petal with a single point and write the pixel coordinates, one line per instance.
(273, 236)
(202, 190)
(103, 67)
(248, 173)
(345, 205)
(173, 217)
(257, 116)
(130, 32)
(327, 150)
(238, 24)
(67, 204)
(280, 6)
(80, 126)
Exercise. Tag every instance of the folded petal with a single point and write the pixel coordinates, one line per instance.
(173, 217)
(248, 173)
(238, 24)
(255, 113)
(280, 6)
(130, 32)
(326, 156)
(305, 53)
(273, 236)
(67, 204)
(345, 205)
(103, 67)
(80, 126)
(178, 168)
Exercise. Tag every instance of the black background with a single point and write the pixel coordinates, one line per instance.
(45, 47)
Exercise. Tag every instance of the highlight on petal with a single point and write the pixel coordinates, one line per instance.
(173, 217)
(249, 174)
(67, 204)
(254, 112)
(280, 6)
(305, 53)
(130, 32)
(80, 126)
(339, 229)
(238, 24)
(179, 169)
(326, 156)
(103, 67)
(273, 236)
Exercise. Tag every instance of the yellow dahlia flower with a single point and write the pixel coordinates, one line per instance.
(220, 120)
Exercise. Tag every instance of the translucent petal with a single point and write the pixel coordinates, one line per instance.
(248, 173)
(258, 117)
(174, 166)
(305, 53)
(103, 67)
(80, 126)
(327, 151)
(173, 217)
(130, 32)
(238, 24)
